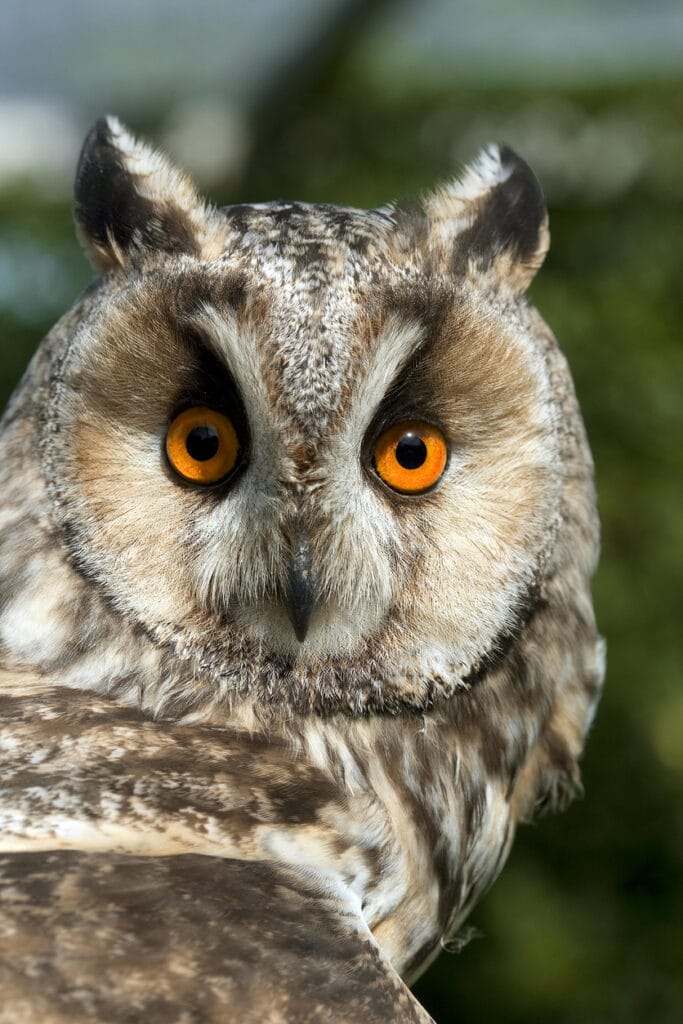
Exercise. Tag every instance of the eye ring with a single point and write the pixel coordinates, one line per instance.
(411, 457)
(202, 446)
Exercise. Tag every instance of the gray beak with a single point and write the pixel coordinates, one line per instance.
(301, 592)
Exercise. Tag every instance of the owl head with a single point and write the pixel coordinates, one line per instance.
(317, 452)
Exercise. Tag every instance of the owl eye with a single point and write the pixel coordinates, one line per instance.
(202, 445)
(411, 457)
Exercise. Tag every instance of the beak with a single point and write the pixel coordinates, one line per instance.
(301, 593)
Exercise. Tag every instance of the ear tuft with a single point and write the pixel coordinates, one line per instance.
(131, 201)
(493, 218)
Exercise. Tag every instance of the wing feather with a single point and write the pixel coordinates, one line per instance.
(116, 938)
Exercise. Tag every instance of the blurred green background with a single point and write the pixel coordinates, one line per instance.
(361, 102)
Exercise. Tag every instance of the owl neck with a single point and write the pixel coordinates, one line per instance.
(427, 823)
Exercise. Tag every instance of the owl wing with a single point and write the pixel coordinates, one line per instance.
(111, 937)
(136, 882)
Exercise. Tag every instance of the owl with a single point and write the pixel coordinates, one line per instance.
(297, 525)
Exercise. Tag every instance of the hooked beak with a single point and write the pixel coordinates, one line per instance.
(301, 594)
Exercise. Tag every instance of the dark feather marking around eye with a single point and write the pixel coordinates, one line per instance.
(213, 385)
(411, 393)
(194, 293)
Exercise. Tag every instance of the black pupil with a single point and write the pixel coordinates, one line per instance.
(202, 443)
(411, 451)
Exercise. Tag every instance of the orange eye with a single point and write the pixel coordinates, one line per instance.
(411, 457)
(202, 445)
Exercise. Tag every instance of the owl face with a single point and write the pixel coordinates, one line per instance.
(313, 449)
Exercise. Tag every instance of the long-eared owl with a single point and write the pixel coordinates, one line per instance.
(297, 524)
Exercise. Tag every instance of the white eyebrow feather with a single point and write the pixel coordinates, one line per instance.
(396, 341)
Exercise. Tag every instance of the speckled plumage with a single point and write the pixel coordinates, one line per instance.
(155, 701)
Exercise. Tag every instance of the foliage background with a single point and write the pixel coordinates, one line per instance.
(585, 923)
